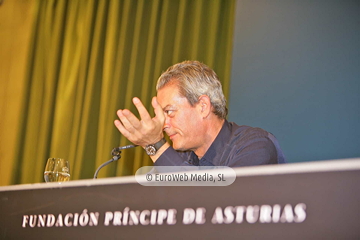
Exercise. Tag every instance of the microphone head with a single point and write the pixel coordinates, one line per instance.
(117, 151)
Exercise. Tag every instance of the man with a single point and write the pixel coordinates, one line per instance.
(190, 108)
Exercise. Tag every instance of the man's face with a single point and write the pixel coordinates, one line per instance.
(183, 121)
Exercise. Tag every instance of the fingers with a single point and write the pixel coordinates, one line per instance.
(144, 114)
(145, 131)
(158, 110)
(121, 128)
(124, 125)
(128, 119)
(128, 125)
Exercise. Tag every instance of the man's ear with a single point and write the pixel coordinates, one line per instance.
(204, 105)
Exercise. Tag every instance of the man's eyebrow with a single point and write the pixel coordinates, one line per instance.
(168, 106)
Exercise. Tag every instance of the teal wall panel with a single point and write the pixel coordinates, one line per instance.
(296, 73)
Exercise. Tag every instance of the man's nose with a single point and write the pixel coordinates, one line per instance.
(166, 123)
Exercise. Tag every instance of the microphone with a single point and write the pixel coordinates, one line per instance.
(116, 156)
(117, 150)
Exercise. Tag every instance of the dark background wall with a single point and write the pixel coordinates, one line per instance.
(296, 73)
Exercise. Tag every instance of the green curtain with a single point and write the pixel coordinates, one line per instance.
(88, 58)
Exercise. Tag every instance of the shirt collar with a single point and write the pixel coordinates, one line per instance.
(217, 147)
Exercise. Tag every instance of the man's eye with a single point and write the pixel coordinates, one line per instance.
(168, 112)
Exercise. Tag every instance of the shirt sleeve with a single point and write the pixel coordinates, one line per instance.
(251, 149)
(173, 158)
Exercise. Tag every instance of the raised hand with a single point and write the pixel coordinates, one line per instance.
(145, 131)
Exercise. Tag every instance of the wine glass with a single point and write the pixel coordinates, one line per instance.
(57, 170)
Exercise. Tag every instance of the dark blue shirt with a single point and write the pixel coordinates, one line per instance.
(234, 146)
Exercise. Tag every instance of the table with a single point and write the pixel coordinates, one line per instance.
(313, 200)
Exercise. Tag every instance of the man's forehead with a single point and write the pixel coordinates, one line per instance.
(169, 96)
(168, 92)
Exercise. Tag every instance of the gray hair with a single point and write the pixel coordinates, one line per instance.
(195, 79)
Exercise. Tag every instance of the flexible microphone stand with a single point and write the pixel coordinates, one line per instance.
(116, 156)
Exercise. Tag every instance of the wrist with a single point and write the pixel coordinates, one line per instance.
(160, 152)
(152, 149)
